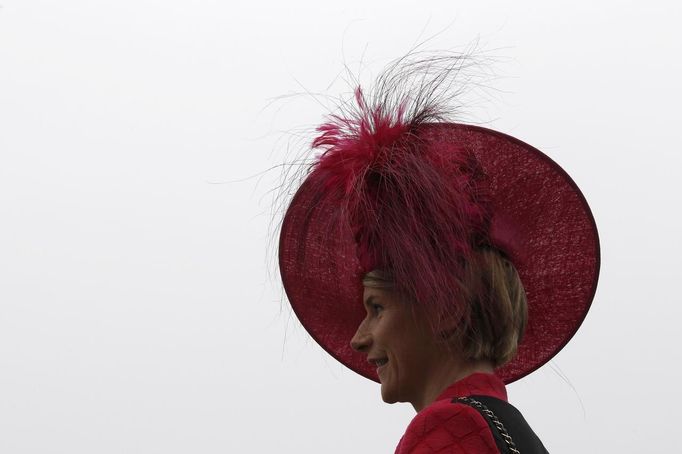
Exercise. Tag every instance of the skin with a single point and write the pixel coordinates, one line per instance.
(419, 367)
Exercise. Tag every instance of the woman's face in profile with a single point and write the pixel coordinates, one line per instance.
(398, 344)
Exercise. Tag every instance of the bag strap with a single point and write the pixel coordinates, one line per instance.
(492, 420)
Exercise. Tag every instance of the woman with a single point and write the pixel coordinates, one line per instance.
(442, 260)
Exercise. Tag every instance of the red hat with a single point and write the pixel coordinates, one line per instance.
(399, 189)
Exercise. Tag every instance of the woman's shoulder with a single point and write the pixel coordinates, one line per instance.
(447, 427)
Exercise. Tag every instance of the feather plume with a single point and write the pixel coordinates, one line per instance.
(417, 207)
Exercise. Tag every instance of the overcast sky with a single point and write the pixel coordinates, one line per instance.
(139, 308)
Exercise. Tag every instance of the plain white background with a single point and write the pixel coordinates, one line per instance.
(139, 309)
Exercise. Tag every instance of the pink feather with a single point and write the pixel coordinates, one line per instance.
(417, 210)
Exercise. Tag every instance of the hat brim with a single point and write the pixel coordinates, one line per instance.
(556, 247)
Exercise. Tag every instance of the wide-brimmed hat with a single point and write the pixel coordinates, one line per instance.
(460, 187)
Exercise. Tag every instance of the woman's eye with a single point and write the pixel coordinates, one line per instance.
(377, 308)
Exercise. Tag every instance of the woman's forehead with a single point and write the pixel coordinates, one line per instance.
(375, 293)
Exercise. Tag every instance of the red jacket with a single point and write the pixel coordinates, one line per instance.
(444, 427)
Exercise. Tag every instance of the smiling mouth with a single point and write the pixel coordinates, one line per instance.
(379, 362)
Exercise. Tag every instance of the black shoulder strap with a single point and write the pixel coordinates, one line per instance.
(524, 439)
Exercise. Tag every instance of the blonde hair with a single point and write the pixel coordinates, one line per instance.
(495, 308)
(498, 308)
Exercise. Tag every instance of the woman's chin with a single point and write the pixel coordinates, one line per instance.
(388, 395)
(388, 398)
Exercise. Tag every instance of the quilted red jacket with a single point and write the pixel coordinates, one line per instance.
(444, 427)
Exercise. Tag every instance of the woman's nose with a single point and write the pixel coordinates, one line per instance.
(361, 341)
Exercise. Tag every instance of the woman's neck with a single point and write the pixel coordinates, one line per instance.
(448, 372)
